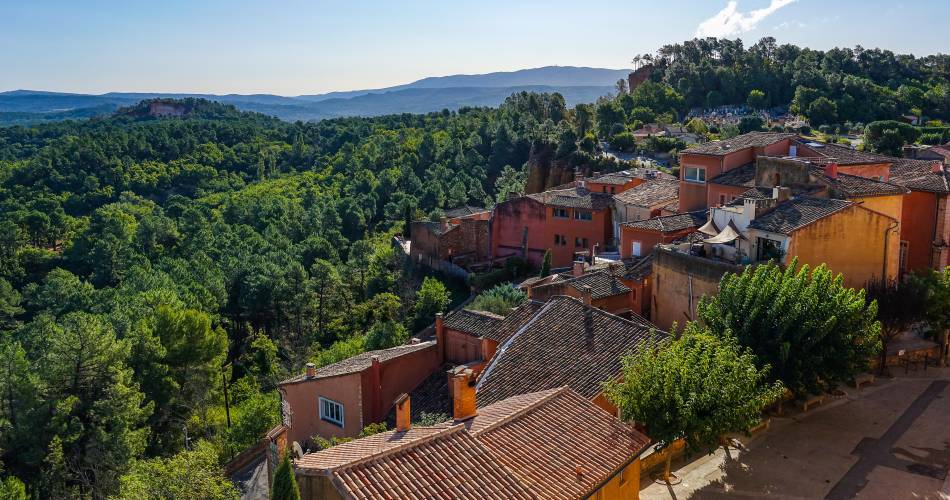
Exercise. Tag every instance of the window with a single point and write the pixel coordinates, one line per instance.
(604, 188)
(581, 215)
(580, 242)
(722, 199)
(635, 249)
(560, 213)
(613, 190)
(331, 411)
(694, 174)
(560, 239)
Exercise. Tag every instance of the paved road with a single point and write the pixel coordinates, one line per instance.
(888, 441)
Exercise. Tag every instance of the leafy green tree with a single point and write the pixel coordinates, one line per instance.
(698, 388)
(822, 111)
(386, 334)
(189, 475)
(889, 136)
(545, 264)
(285, 484)
(9, 306)
(510, 181)
(499, 299)
(757, 99)
(899, 305)
(12, 488)
(432, 298)
(937, 303)
(803, 322)
(751, 124)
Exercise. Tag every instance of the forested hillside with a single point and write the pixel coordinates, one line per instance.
(145, 262)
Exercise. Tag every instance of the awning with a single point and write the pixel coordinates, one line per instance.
(709, 228)
(729, 234)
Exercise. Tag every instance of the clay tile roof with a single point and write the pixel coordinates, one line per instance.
(618, 178)
(791, 215)
(918, 175)
(749, 140)
(565, 343)
(360, 362)
(574, 197)
(602, 284)
(637, 269)
(844, 155)
(477, 323)
(464, 211)
(436, 227)
(853, 186)
(650, 193)
(669, 223)
(515, 320)
(527, 446)
(544, 440)
(743, 176)
(433, 462)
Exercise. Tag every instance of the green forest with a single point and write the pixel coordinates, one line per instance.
(148, 264)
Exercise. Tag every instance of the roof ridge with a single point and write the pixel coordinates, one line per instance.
(522, 411)
(442, 432)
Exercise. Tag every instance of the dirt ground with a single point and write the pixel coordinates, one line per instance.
(890, 440)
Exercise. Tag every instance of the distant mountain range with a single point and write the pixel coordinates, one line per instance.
(576, 84)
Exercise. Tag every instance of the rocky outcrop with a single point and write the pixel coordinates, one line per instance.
(545, 171)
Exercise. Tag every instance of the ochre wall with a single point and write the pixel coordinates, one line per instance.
(596, 187)
(731, 192)
(674, 275)
(305, 417)
(461, 348)
(399, 375)
(891, 206)
(647, 239)
(693, 194)
(623, 486)
(869, 170)
(509, 220)
(918, 222)
(850, 242)
(597, 231)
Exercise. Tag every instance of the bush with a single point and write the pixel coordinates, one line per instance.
(931, 139)
(499, 300)
(623, 141)
(386, 334)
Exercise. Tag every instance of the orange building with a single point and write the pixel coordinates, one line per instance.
(523, 447)
(566, 221)
(342, 398)
(925, 217)
(639, 238)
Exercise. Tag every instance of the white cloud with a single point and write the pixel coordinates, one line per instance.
(729, 21)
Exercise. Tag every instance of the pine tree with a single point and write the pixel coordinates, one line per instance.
(546, 264)
(285, 485)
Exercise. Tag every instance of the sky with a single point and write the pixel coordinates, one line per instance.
(294, 47)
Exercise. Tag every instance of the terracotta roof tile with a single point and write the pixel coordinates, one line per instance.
(476, 323)
(669, 223)
(602, 284)
(749, 140)
(853, 186)
(844, 155)
(918, 175)
(650, 193)
(574, 197)
(565, 343)
(360, 362)
(791, 215)
(463, 211)
(743, 176)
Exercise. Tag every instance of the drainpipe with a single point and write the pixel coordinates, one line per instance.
(887, 231)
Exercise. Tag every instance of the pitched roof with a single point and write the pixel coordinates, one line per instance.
(853, 186)
(617, 178)
(360, 362)
(749, 140)
(794, 214)
(565, 343)
(477, 323)
(650, 193)
(918, 175)
(625, 176)
(844, 155)
(574, 197)
(515, 320)
(669, 223)
(742, 176)
(631, 268)
(516, 448)
(601, 282)
(436, 227)
(463, 211)
(428, 462)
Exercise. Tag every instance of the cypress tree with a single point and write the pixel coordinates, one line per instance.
(285, 485)
(546, 264)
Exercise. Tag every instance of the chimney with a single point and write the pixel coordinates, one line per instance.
(440, 337)
(578, 269)
(488, 349)
(596, 174)
(311, 370)
(462, 385)
(403, 417)
(578, 175)
(936, 167)
(586, 293)
(376, 389)
(781, 193)
(444, 223)
(831, 170)
(527, 291)
(593, 253)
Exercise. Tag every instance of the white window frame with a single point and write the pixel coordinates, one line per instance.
(636, 249)
(583, 215)
(330, 405)
(700, 176)
(567, 213)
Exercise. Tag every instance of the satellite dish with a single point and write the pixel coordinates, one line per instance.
(298, 451)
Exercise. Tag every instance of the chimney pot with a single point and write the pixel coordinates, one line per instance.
(586, 291)
(831, 170)
(311, 370)
(578, 269)
(403, 416)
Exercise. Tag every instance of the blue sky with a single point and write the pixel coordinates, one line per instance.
(302, 47)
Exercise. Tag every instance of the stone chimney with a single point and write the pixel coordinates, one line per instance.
(578, 269)
(403, 417)
(462, 385)
(781, 193)
(311, 370)
(587, 295)
(831, 170)
(936, 167)
(440, 336)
